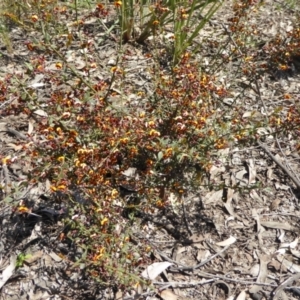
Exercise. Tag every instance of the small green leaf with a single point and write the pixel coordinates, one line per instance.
(160, 156)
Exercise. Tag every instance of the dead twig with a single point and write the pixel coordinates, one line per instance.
(292, 177)
(183, 283)
(182, 267)
(185, 219)
(16, 133)
(7, 179)
(205, 261)
(223, 278)
(281, 214)
(276, 293)
(288, 166)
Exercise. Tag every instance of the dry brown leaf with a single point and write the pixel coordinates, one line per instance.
(255, 196)
(34, 257)
(40, 113)
(213, 197)
(295, 253)
(252, 171)
(153, 270)
(242, 295)
(228, 204)
(227, 242)
(278, 293)
(248, 257)
(290, 266)
(203, 255)
(197, 238)
(55, 257)
(30, 127)
(278, 225)
(270, 174)
(240, 176)
(8, 271)
(15, 147)
(263, 273)
(168, 295)
(275, 203)
(119, 295)
(254, 271)
(291, 245)
(214, 171)
(260, 229)
(277, 266)
(280, 186)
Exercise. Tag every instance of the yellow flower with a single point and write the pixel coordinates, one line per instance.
(151, 123)
(248, 58)
(184, 16)
(23, 209)
(61, 187)
(153, 133)
(136, 285)
(160, 203)
(81, 151)
(77, 162)
(104, 221)
(58, 65)
(118, 3)
(169, 151)
(34, 18)
(114, 194)
(99, 254)
(61, 159)
(53, 188)
(80, 118)
(124, 141)
(73, 133)
(113, 69)
(58, 188)
(155, 23)
(133, 151)
(149, 162)
(6, 159)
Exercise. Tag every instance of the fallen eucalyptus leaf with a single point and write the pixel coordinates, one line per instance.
(227, 242)
(242, 295)
(40, 113)
(152, 271)
(277, 225)
(292, 267)
(168, 295)
(9, 271)
(263, 273)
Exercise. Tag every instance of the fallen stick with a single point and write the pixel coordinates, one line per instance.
(292, 177)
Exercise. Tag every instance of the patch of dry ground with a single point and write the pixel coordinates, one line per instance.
(236, 242)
